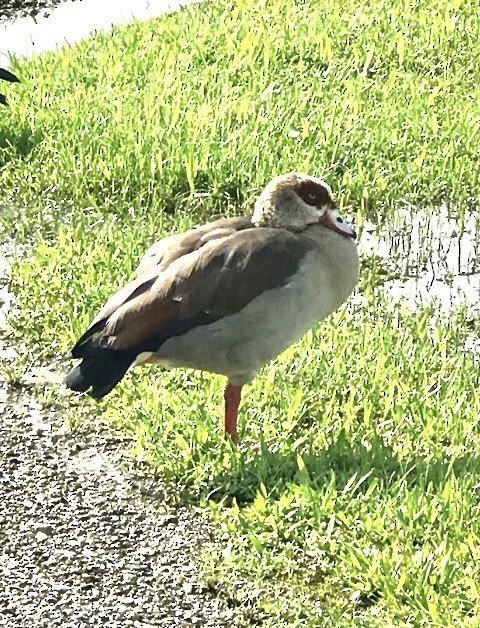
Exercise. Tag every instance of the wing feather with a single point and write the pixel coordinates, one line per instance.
(210, 282)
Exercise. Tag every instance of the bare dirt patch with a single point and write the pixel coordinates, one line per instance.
(85, 539)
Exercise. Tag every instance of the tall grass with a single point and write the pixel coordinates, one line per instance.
(379, 98)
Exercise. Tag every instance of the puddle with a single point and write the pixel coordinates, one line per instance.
(71, 21)
(431, 255)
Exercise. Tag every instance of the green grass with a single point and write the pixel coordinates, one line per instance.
(379, 98)
(353, 499)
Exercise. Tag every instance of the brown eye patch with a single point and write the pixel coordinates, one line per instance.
(313, 193)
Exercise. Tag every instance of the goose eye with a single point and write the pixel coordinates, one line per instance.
(312, 196)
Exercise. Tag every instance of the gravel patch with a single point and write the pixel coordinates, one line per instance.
(87, 541)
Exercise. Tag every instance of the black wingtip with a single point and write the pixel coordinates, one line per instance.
(75, 380)
(6, 75)
(99, 374)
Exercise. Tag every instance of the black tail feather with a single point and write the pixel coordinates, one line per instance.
(100, 372)
(7, 76)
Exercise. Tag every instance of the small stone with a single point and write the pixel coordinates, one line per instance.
(165, 520)
(148, 551)
(44, 528)
(57, 436)
(40, 537)
(41, 428)
(137, 566)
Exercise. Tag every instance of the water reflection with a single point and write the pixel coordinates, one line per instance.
(431, 255)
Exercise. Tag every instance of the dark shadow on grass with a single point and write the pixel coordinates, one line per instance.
(17, 143)
(179, 196)
(338, 463)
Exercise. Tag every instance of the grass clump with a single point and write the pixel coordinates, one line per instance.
(364, 509)
(214, 100)
(353, 497)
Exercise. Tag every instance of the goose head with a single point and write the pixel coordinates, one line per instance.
(294, 201)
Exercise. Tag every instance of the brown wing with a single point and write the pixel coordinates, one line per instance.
(211, 282)
(163, 253)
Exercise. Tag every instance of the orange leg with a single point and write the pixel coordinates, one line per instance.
(232, 401)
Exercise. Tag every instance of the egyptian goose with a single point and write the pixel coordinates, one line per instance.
(226, 297)
(7, 76)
